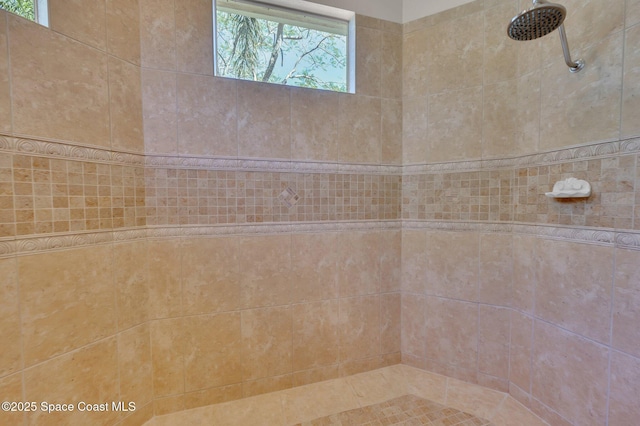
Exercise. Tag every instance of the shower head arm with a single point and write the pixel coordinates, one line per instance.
(573, 66)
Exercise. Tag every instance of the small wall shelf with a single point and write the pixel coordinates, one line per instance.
(570, 188)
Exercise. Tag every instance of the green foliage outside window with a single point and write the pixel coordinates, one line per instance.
(24, 8)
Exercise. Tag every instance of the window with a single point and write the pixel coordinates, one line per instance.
(291, 42)
(35, 10)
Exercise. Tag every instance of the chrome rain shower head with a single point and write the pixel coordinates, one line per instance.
(539, 21)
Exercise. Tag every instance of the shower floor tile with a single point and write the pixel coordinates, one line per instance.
(408, 410)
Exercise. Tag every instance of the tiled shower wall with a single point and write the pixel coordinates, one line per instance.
(500, 284)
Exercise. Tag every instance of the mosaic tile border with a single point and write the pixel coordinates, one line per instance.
(40, 244)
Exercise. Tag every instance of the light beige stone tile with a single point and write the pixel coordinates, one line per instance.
(452, 332)
(455, 125)
(267, 336)
(135, 366)
(167, 360)
(425, 384)
(363, 365)
(493, 341)
(11, 390)
(69, 94)
(314, 267)
(210, 275)
(264, 120)
(207, 119)
(5, 89)
(368, 61)
(473, 399)
(125, 104)
(213, 352)
(521, 345)
(159, 110)
(524, 272)
(11, 355)
(266, 270)
(632, 13)
(391, 78)
(391, 138)
(358, 263)
(512, 412)
(501, 53)
(626, 302)
(625, 379)
(496, 269)
(141, 416)
(390, 323)
(415, 62)
(580, 300)
(376, 386)
(570, 373)
(56, 289)
(131, 281)
(267, 385)
(123, 29)
(631, 93)
(415, 128)
(414, 265)
(314, 125)
(390, 261)
(82, 21)
(211, 396)
(452, 264)
(414, 325)
(194, 36)
(359, 129)
(359, 327)
(158, 34)
(315, 334)
(170, 404)
(88, 374)
(165, 291)
(583, 107)
(310, 402)
(315, 375)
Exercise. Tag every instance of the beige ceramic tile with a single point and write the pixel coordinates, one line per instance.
(315, 375)
(415, 62)
(359, 327)
(632, 13)
(377, 386)
(125, 100)
(158, 34)
(266, 270)
(625, 376)
(89, 374)
(390, 261)
(314, 267)
(11, 390)
(267, 385)
(391, 131)
(524, 272)
(264, 410)
(310, 402)
(315, 334)
(452, 332)
(11, 355)
(211, 396)
(57, 288)
(207, 122)
(135, 366)
(391, 80)
(167, 359)
(267, 342)
(496, 269)
(455, 125)
(581, 300)
(70, 93)
(359, 129)
(165, 291)
(414, 325)
(631, 93)
(264, 120)
(415, 127)
(493, 341)
(591, 97)
(473, 399)
(213, 353)
(368, 61)
(424, 384)
(131, 282)
(139, 417)
(5, 90)
(159, 109)
(358, 263)
(447, 276)
(210, 276)
(171, 404)
(123, 29)
(520, 347)
(501, 53)
(512, 412)
(314, 125)
(570, 373)
(82, 21)
(194, 36)
(390, 323)
(626, 306)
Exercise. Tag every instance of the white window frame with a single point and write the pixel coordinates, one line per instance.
(41, 9)
(305, 8)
